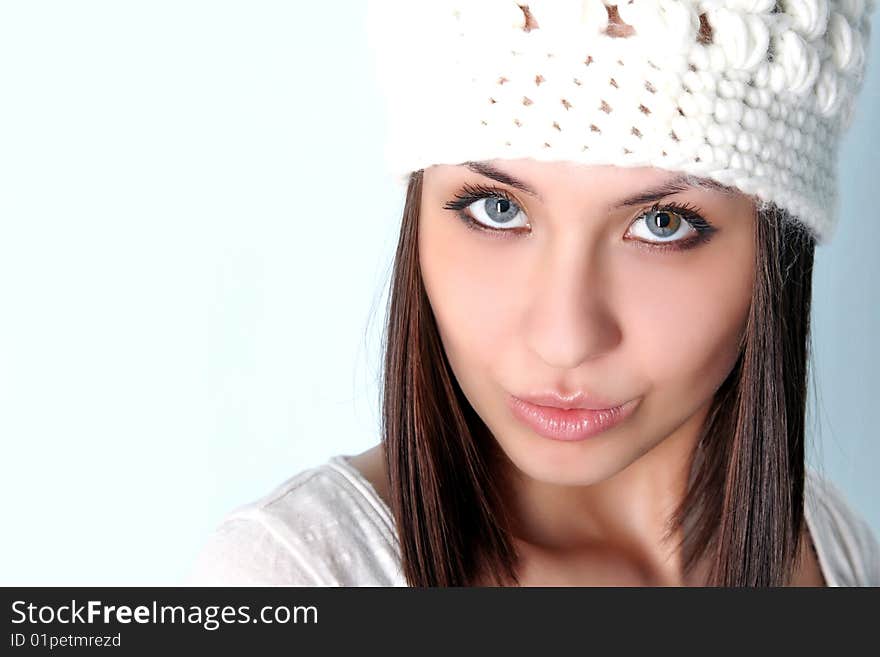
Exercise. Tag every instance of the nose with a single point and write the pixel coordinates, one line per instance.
(570, 318)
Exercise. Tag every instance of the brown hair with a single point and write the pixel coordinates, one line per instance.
(744, 504)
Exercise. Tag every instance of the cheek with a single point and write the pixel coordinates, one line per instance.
(684, 325)
(471, 294)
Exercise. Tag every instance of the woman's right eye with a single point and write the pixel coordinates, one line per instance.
(496, 212)
(488, 209)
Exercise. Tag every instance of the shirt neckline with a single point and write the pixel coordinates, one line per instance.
(372, 495)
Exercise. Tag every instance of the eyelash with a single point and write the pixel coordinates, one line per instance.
(690, 213)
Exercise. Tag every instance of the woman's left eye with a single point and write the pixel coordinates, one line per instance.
(679, 226)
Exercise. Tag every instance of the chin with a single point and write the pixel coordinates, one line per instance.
(581, 463)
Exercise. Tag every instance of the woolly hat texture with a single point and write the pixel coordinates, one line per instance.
(750, 93)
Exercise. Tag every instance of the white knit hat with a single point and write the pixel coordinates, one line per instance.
(750, 93)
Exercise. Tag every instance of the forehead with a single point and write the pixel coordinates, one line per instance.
(545, 179)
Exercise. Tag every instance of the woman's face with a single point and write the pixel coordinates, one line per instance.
(573, 291)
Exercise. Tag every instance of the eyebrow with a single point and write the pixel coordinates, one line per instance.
(680, 183)
(486, 169)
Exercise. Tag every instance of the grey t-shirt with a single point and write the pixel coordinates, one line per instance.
(327, 526)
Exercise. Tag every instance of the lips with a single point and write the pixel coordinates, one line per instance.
(568, 423)
(578, 400)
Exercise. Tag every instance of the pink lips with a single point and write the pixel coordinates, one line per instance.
(568, 423)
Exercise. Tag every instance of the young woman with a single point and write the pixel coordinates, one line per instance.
(598, 335)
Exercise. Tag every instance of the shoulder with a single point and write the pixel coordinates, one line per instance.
(324, 526)
(848, 551)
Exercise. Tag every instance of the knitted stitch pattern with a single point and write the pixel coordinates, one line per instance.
(750, 93)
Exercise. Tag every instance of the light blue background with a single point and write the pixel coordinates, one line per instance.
(195, 241)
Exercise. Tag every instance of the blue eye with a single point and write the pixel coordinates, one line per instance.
(496, 210)
(488, 208)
